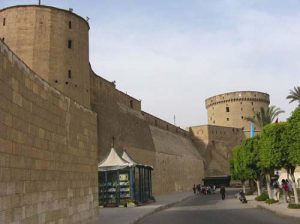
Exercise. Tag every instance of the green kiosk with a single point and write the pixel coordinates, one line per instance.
(123, 182)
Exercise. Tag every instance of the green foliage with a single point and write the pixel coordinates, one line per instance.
(272, 148)
(294, 95)
(292, 137)
(265, 116)
(294, 206)
(271, 201)
(244, 163)
(263, 197)
(239, 163)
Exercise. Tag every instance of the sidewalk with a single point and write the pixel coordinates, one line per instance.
(133, 215)
(278, 208)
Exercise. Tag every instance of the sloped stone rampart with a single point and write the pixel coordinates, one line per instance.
(176, 161)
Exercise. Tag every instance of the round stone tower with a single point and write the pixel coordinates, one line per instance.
(54, 43)
(230, 109)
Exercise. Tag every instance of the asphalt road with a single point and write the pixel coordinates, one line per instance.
(210, 209)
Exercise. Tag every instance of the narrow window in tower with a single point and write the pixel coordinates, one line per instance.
(69, 43)
(69, 74)
(4, 20)
(131, 103)
(227, 109)
(227, 119)
(70, 25)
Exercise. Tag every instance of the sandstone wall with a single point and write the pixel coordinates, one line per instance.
(219, 142)
(177, 163)
(48, 153)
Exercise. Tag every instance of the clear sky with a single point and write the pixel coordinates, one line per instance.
(173, 54)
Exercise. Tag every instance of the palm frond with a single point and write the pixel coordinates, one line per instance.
(265, 116)
(294, 95)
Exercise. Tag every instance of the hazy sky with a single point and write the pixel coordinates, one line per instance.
(173, 54)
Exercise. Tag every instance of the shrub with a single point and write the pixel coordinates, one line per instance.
(263, 197)
(271, 201)
(294, 206)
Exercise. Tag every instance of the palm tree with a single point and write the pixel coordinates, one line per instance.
(294, 95)
(265, 116)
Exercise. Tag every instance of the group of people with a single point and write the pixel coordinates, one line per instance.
(198, 189)
(286, 187)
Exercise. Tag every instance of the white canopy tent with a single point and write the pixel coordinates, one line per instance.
(127, 158)
(113, 162)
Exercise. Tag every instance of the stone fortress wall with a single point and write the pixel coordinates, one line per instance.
(230, 109)
(218, 142)
(54, 43)
(59, 125)
(48, 150)
(170, 150)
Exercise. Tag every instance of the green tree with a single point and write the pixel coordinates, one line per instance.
(272, 150)
(244, 164)
(251, 145)
(294, 95)
(239, 164)
(265, 116)
(292, 144)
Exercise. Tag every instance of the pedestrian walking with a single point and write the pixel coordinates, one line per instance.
(285, 189)
(198, 188)
(290, 188)
(222, 192)
(194, 189)
(276, 190)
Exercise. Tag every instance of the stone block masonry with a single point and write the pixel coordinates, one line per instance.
(48, 150)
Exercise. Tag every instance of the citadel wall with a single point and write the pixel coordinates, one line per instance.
(176, 161)
(231, 109)
(54, 43)
(41, 34)
(218, 142)
(48, 152)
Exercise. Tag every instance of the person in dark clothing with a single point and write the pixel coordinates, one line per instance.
(194, 189)
(222, 192)
(198, 188)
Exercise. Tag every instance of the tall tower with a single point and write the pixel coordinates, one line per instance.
(54, 43)
(230, 109)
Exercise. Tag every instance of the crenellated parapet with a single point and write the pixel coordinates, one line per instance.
(237, 96)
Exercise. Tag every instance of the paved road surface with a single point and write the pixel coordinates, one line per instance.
(211, 209)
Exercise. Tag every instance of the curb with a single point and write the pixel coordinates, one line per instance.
(279, 213)
(160, 208)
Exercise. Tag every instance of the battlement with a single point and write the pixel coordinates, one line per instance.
(237, 96)
(109, 91)
(157, 122)
(71, 12)
(213, 132)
